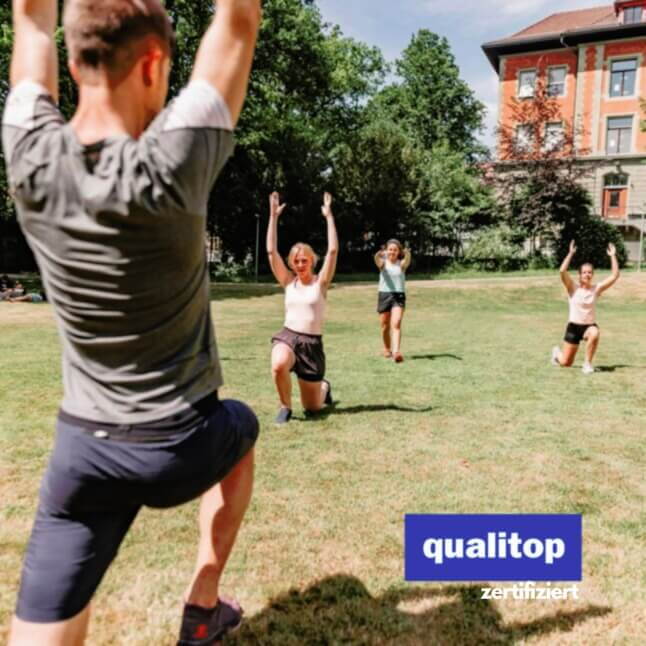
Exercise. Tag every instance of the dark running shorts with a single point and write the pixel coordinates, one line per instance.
(574, 332)
(95, 485)
(388, 300)
(308, 350)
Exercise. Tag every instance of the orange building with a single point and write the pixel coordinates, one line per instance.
(593, 62)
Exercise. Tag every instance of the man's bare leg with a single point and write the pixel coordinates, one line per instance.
(71, 632)
(221, 512)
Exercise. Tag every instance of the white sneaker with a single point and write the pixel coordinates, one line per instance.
(587, 369)
(556, 352)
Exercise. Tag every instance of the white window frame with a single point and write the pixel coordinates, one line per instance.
(616, 59)
(547, 85)
(519, 95)
(633, 22)
(558, 144)
(632, 133)
(523, 144)
(616, 187)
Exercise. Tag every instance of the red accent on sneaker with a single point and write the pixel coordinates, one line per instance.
(201, 632)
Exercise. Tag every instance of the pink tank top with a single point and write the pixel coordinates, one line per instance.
(583, 306)
(304, 307)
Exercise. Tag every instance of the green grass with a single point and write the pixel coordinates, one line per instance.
(474, 421)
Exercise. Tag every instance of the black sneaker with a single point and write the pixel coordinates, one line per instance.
(284, 415)
(328, 396)
(207, 626)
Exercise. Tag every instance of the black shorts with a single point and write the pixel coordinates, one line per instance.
(388, 300)
(575, 332)
(308, 350)
(96, 483)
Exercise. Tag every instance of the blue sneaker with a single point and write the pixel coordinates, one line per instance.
(207, 626)
(284, 415)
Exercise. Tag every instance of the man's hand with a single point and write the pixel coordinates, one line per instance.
(612, 250)
(572, 248)
(275, 207)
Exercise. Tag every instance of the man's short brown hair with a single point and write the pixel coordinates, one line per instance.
(107, 34)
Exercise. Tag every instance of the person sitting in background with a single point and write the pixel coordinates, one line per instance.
(31, 297)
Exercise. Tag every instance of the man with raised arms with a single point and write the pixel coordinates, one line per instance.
(114, 205)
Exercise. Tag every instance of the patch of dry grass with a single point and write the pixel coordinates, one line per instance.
(475, 421)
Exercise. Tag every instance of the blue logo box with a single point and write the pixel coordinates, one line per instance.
(493, 547)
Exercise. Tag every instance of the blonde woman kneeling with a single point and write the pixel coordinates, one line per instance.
(298, 347)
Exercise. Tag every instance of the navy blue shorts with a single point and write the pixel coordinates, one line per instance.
(97, 480)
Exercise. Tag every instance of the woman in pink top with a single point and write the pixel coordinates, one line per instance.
(298, 347)
(582, 298)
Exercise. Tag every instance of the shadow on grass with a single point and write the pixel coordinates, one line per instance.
(611, 368)
(335, 409)
(340, 610)
(432, 357)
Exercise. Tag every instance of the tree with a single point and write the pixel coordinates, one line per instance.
(592, 234)
(539, 170)
(431, 100)
(306, 99)
(451, 200)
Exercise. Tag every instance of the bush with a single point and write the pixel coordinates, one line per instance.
(230, 271)
(496, 249)
(540, 261)
(592, 235)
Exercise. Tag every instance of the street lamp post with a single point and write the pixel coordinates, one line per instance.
(257, 242)
(641, 239)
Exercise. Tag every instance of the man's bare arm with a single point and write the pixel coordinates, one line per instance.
(34, 56)
(225, 55)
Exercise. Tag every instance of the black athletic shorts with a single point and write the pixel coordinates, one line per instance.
(308, 350)
(388, 300)
(575, 332)
(100, 475)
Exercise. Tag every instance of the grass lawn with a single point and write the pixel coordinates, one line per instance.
(474, 421)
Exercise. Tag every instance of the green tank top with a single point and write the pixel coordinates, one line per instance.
(392, 278)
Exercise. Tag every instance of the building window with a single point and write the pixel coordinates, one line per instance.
(614, 199)
(620, 134)
(615, 180)
(615, 195)
(524, 136)
(633, 15)
(553, 136)
(556, 81)
(526, 84)
(622, 77)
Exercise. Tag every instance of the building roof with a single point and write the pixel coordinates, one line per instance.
(563, 30)
(568, 21)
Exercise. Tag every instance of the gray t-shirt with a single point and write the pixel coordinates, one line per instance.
(118, 231)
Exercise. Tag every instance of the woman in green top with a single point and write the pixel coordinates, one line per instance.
(393, 261)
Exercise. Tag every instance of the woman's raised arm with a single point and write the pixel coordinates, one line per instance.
(278, 268)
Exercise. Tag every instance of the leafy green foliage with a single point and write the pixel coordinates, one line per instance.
(592, 234)
(498, 248)
(318, 117)
(432, 101)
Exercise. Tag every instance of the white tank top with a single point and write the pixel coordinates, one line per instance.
(583, 306)
(304, 307)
